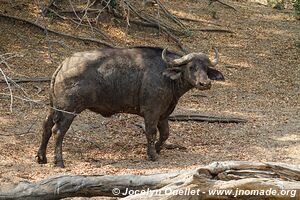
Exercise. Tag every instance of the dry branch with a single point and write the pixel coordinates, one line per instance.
(56, 32)
(146, 20)
(231, 175)
(7, 56)
(9, 88)
(47, 7)
(170, 15)
(197, 20)
(80, 24)
(76, 135)
(160, 25)
(26, 80)
(27, 99)
(213, 30)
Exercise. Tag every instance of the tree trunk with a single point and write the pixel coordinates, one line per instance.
(240, 179)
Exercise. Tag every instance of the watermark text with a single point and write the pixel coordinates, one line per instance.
(197, 192)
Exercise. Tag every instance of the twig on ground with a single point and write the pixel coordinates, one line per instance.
(18, 86)
(146, 18)
(46, 8)
(177, 40)
(26, 80)
(74, 21)
(30, 127)
(17, 134)
(199, 95)
(85, 139)
(39, 90)
(159, 26)
(197, 20)
(57, 32)
(70, 2)
(148, 22)
(22, 98)
(10, 90)
(50, 50)
(158, 16)
(3, 61)
(7, 56)
(100, 11)
(9, 81)
(29, 130)
(39, 103)
(170, 15)
(85, 11)
(212, 30)
(61, 43)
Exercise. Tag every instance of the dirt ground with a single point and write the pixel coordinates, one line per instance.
(260, 61)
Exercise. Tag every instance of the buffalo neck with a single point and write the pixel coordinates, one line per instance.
(180, 87)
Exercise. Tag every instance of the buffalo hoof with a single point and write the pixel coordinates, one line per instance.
(158, 148)
(59, 164)
(152, 155)
(41, 159)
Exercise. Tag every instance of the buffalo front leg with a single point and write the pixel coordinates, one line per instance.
(59, 130)
(47, 126)
(163, 127)
(151, 130)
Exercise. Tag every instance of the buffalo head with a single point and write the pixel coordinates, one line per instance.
(196, 68)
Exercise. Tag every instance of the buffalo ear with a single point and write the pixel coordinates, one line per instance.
(214, 74)
(173, 73)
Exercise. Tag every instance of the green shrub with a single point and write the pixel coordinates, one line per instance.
(277, 4)
(296, 5)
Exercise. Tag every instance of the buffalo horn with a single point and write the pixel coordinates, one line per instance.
(179, 61)
(215, 61)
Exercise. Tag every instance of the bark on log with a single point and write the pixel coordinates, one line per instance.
(230, 175)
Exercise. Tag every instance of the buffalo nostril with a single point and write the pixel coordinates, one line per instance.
(206, 83)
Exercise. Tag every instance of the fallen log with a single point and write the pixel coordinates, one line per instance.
(200, 118)
(205, 118)
(240, 180)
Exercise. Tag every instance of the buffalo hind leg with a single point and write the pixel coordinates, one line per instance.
(163, 127)
(47, 126)
(59, 130)
(151, 130)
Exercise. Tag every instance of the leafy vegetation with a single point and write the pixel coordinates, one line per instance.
(277, 4)
(296, 5)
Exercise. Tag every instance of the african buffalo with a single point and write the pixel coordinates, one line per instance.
(146, 81)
